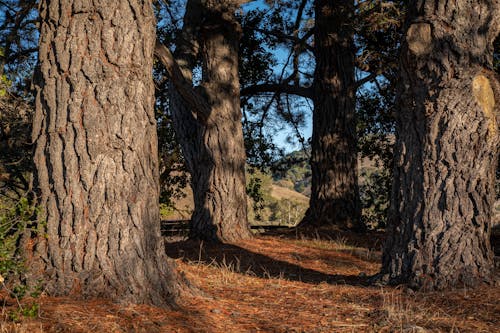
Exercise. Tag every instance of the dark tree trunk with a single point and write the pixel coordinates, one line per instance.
(96, 154)
(221, 212)
(334, 193)
(213, 146)
(446, 148)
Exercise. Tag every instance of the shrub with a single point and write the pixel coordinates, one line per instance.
(15, 219)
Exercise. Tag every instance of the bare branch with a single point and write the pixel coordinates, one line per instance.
(277, 88)
(366, 79)
(184, 87)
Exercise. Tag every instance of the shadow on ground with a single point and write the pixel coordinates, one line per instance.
(247, 262)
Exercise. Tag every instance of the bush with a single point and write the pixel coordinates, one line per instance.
(375, 195)
(15, 219)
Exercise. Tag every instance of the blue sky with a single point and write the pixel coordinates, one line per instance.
(281, 137)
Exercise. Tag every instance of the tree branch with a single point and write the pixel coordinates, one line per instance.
(297, 40)
(366, 79)
(184, 87)
(277, 88)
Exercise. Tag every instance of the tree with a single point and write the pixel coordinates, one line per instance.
(207, 118)
(96, 155)
(18, 39)
(335, 194)
(15, 160)
(446, 148)
(334, 190)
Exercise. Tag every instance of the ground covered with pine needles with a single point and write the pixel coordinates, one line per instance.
(276, 283)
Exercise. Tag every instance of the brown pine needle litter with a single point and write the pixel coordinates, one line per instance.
(276, 284)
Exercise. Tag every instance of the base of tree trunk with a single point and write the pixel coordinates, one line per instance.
(219, 231)
(161, 284)
(331, 221)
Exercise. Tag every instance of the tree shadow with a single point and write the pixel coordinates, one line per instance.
(246, 262)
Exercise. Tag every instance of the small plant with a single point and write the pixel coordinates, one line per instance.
(166, 211)
(30, 311)
(13, 222)
(375, 192)
(15, 219)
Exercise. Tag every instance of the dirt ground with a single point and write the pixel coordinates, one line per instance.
(295, 282)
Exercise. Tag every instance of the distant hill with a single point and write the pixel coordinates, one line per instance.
(279, 192)
(284, 189)
(280, 204)
(294, 172)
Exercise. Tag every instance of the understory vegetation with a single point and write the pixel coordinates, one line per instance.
(16, 219)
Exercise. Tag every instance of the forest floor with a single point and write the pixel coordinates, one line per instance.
(277, 283)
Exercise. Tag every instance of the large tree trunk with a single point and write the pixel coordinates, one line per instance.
(213, 145)
(446, 148)
(223, 214)
(96, 154)
(334, 192)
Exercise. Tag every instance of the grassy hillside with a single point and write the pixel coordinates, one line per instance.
(280, 195)
(278, 202)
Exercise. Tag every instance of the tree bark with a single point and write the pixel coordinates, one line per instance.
(96, 155)
(213, 146)
(446, 147)
(334, 190)
(221, 208)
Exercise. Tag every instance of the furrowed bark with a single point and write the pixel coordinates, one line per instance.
(96, 155)
(223, 215)
(213, 147)
(334, 190)
(446, 148)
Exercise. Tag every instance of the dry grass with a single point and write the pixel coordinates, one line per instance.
(280, 192)
(279, 284)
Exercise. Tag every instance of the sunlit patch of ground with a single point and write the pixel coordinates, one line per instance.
(278, 284)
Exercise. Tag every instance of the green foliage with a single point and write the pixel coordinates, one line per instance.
(374, 193)
(255, 63)
(19, 40)
(173, 173)
(378, 31)
(30, 311)
(375, 110)
(267, 116)
(267, 209)
(5, 83)
(378, 34)
(166, 210)
(13, 222)
(287, 212)
(295, 168)
(15, 138)
(259, 192)
(15, 219)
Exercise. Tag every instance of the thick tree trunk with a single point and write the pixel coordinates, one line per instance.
(334, 193)
(96, 154)
(213, 147)
(221, 210)
(446, 148)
